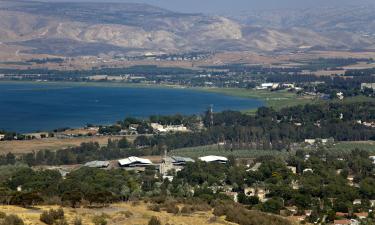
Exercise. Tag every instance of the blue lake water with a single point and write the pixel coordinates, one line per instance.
(30, 107)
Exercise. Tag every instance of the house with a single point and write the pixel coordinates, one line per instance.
(340, 95)
(292, 209)
(2, 137)
(357, 202)
(97, 164)
(170, 128)
(256, 191)
(232, 195)
(214, 158)
(308, 170)
(372, 203)
(350, 179)
(371, 157)
(134, 162)
(293, 169)
(368, 85)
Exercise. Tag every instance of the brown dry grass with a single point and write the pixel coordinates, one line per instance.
(117, 215)
(18, 147)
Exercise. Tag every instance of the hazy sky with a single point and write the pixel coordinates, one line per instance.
(215, 6)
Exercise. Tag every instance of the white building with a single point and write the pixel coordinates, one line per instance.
(169, 128)
(97, 164)
(2, 136)
(134, 162)
(214, 158)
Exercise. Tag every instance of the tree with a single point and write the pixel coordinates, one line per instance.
(26, 199)
(73, 197)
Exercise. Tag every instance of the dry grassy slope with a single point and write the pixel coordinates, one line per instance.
(140, 215)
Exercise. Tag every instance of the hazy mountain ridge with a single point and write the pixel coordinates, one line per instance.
(94, 28)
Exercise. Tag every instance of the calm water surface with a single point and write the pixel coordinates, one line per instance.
(29, 107)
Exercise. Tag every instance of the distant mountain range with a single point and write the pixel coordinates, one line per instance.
(75, 29)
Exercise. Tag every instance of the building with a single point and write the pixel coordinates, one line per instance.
(256, 191)
(255, 167)
(169, 128)
(368, 85)
(232, 195)
(173, 163)
(181, 161)
(214, 158)
(134, 162)
(2, 137)
(97, 164)
(293, 169)
(340, 95)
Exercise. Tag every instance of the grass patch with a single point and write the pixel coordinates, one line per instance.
(195, 152)
(348, 146)
(274, 99)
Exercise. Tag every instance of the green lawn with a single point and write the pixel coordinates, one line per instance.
(195, 152)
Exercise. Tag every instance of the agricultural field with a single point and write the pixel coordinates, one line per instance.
(195, 152)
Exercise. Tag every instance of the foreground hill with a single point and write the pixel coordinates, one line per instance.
(74, 29)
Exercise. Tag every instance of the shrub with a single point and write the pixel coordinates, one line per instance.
(50, 217)
(2, 215)
(47, 218)
(187, 210)
(100, 220)
(155, 208)
(61, 222)
(77, 221)
(12, 220)
(154, 221)
(172, 208)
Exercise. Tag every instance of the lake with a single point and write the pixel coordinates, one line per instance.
(30, 107)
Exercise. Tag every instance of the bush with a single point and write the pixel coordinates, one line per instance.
(155, 208)
(12, 220)
(50, 217)
(77, 221)
(61, 222)
(154, 221)
(100, 220)
(187, 210)
(172, 208)
(2, 215)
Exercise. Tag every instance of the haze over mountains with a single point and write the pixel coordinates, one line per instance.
(74, 29)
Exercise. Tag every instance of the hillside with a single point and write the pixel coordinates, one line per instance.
(76, 29)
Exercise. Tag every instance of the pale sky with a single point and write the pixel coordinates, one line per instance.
(216, 6)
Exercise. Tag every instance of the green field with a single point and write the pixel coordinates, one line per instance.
(195, 152)
(274, 99)
(346, 147)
